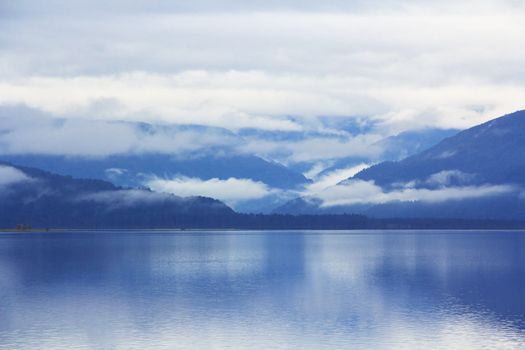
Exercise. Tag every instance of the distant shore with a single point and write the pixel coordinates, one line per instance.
(372, 224)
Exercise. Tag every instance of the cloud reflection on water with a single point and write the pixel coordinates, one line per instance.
(263, 290)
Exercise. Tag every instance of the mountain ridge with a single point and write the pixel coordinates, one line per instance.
(30, 195)
(477, 173)
(495, 141)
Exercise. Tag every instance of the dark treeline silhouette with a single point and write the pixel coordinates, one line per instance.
(44, 200)
(145, 219)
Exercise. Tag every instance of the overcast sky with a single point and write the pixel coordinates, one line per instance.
(406, 64)
(275, 65)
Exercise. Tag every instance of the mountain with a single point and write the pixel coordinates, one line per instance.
(396, 147)
(492, 152)
(32, 197)
(39, 198)
(197, 159)
(408, 143)
(133, 154)
(134, 170)
(137, 170)
(475, 174)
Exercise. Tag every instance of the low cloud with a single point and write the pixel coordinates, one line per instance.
(367, 192)
(10, 176)
(449, 177)
(231, 190)
(262, 100)
(313, 149)
(125, 198)
(25, 130)
(115, 171)
(333, 178)
(28, 131)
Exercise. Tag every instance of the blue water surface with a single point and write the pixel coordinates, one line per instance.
(263, 290)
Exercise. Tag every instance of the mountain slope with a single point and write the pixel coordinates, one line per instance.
(397, 147)
(204, 159)
(476, 174)
(36, 197)
(492, 152)
(39, 199)
(135, 169)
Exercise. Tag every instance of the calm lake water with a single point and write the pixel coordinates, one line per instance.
(263, 290)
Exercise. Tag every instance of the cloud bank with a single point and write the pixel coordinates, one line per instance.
(333, 178)
(271, 66)
(231, 190)
(448, 185)
(10, 176)
(405, 64)
(24, 131)
(366, 192)
(126, 198)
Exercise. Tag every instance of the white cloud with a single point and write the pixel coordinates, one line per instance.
(413, 64)
(28, 131)
(367, 192)
(333, 178)
(234, 99)
(315, 170)
(446, 177)
(315, 148)
(104, 8)
(231, 190)
(338, 189)
(84, 137)
(402, 64)
(259, 99)
(124, 198)
(115, 171)
(10, 175)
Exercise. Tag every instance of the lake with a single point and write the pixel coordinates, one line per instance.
(263, 290)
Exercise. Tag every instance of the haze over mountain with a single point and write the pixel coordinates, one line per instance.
(35, 199)
(488, 153)
(42, 199)
(477, 173)
(251, 170)
(138, 170)
(396, 147)
(279, 99)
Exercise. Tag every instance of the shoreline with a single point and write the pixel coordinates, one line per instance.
(196, 230)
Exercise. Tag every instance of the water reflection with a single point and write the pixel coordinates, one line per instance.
(282, 290)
